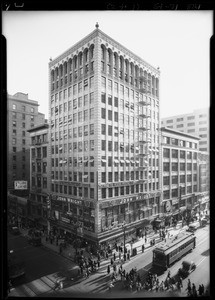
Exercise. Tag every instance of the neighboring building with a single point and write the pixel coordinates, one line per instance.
(104, 116)
(39, 171)
(180, 186)
(22, 114)
(204, 180)
(195, 123)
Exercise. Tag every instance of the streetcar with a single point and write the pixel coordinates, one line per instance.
(167, 253)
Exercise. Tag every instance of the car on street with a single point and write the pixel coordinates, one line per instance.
(193, 227)
(187, 268)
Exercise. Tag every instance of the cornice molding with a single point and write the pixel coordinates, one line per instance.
(109, 43)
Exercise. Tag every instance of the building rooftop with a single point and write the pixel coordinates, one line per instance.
(173, 131)
(101, 34)
(39, 127)
(22, 97)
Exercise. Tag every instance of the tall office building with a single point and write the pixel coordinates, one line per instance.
(180, 182)
(22, 114)
(195, 123)
(104, 117)
(39, 170)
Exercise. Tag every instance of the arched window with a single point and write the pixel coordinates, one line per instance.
(81, 59)
(70, 65)
(102, 52)
(86, 55)
(65, 68)
(75, 62)
(92, 51)
(109, 56)
(61, 70)
(114, 60)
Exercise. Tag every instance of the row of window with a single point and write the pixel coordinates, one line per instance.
(74, 76)
(178, 142)
(14, 124)
(105, 176)
(39, 167)
(188, 118)
(175, 192)
(166, 179)
(39, 182)
(14, 141)
(175, 153)
(39, 152)
(105, 192)
(175, 166)
(14, 107)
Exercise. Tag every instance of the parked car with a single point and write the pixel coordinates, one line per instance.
(187, 268)
(193, 227)
(14, 230)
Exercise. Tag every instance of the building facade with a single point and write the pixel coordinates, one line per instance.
(104, 116)
(22, 114)
(180, 180)
(204, 181)
(39, 172)
(195, 123)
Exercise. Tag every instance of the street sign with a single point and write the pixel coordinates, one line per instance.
(20, 185)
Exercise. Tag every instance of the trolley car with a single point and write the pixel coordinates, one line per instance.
(167, 253)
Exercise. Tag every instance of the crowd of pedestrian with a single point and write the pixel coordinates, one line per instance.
(192, 290)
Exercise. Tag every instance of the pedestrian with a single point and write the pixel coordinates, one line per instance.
(98, 263)
(143, 248)
(128, 256)
(145, 239)
(111, 261)
(114, 268)
(106, 255)
(203, 289)
(124, 256)
(168, 275)
(200, 290)
(193, 289)
(108, 269)
(114, 256)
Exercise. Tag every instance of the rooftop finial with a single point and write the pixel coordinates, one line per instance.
(97, 25)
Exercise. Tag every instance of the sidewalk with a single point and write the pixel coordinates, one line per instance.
(69, 252)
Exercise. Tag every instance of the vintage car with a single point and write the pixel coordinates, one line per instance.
(193, 227)
(187, 268)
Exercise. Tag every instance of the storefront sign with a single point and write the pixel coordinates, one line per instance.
(20, 185)
(75, 201)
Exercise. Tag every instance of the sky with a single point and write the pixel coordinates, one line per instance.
(178, 42)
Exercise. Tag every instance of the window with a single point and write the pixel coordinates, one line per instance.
(23, 133)
(14, 123)
(14, 132)
(109, 100)
(91, 176)
(169, 121)
(103, 113)
(166, 152)
(103, 82)
(179, 119)
(32, 118)
(109, 145)
(116, 116)
(14, 115)
(103, 129)
(109, 130)
(91, 98)
(91, 129)
(32, 110)
(91, 145)
(91, 113)
(103, 145)
(191, 124)
(14, 141)
(190, 117)
(14, 106)
(110, 115)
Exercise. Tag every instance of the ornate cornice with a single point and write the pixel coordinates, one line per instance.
(110, 43)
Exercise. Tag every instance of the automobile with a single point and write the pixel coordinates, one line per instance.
(204, 222)
(187, 268)
(193, 227)
(14, 230)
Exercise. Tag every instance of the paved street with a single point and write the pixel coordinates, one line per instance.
(54, 266)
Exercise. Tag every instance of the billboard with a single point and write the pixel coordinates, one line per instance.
(20, 185)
